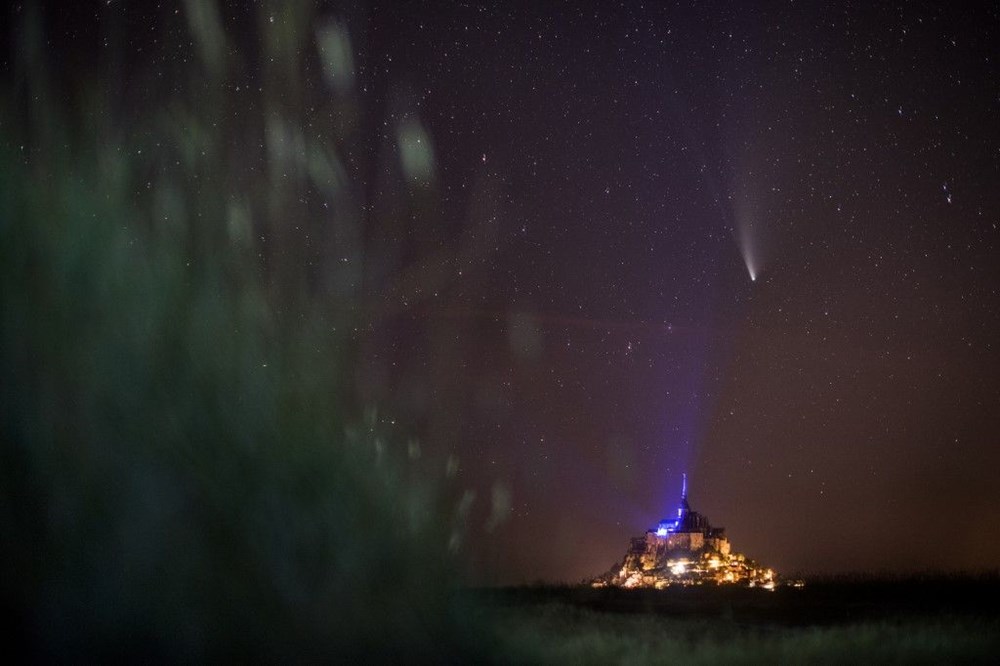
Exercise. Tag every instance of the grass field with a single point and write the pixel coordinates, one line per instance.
(912, 621)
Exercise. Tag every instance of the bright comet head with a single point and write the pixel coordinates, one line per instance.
(747, 249)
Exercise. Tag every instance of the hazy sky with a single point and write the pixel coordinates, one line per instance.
(841, 412)
(614, 174)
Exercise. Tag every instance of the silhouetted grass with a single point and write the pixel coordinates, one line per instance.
(556, 633)
(823, 601)
(947, 619)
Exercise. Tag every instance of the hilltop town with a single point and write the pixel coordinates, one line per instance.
(685, 550)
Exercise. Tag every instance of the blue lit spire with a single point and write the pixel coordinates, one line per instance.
(668, 526)
(684, 507)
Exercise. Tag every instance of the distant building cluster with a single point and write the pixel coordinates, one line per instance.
(685, 550)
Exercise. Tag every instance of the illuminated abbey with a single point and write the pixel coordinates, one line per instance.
(685, 550)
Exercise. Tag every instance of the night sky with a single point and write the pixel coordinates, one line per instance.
(612, 174)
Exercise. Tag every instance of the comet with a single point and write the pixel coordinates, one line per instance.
(745, 213)
(748, 260)
(745, 240)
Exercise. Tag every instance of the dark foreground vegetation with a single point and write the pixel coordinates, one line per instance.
(925, 620)
(188, 470)
(821, 602)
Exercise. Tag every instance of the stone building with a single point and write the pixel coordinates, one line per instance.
(684, 549)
